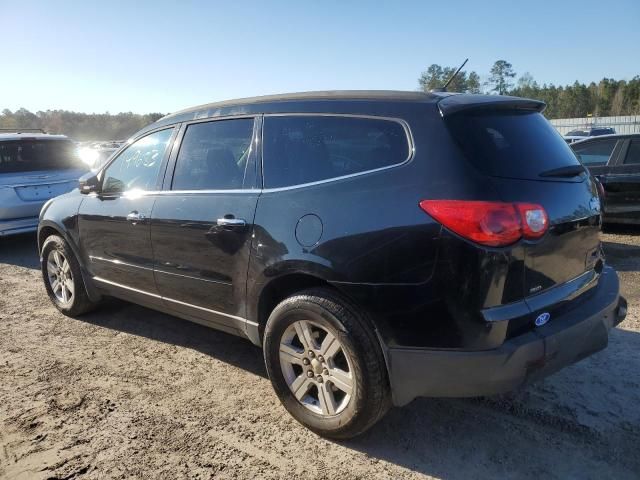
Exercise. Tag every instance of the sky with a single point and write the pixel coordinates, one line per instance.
(162, 56)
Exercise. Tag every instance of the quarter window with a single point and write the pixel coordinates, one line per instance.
(633, 153)
(595, 153)
(215, 156)
(303, 149)
(137, 167)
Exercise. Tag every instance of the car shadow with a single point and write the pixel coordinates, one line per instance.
(436, 436)
(143, 322)
(20, 250)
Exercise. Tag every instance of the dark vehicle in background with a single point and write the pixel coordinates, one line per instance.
(34, 167)
(379, 246)
(615, 161)
(581, 133)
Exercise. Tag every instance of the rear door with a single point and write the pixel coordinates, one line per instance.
(623, 184)
(203, 220)
(527, 161)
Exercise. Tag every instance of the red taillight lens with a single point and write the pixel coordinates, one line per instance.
(495, 224)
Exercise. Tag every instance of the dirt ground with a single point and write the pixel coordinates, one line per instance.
(131, 393)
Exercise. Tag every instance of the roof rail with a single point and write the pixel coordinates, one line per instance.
(22, 130)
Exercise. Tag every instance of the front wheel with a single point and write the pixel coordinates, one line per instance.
(326, 364)
(62, 277)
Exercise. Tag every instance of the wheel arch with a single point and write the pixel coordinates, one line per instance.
(275, 289)
(46, 228)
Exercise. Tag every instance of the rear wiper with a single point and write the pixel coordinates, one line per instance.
(568, 171)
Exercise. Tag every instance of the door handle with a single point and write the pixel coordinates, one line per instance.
(231, 222)
(135, 217)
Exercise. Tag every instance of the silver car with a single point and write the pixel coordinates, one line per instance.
(34, 167)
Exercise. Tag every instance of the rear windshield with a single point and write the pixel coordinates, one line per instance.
(510, 144)
(33, 155)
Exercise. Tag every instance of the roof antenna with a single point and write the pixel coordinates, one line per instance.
(455, 74)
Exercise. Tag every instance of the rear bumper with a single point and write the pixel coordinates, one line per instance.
(18, 225)
(564, 340)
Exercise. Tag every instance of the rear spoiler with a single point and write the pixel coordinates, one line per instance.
(452, 104)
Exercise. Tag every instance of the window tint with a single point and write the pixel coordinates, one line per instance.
(34, 155)
(304, 149)
(137, 167)
(633, 153)
(595, 153)
(215, 156)
(510, 144)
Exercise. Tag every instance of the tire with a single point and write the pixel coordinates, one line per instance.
(349, 390)
(58, 262)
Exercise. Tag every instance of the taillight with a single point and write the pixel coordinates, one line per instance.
(600, 188)
(534, 220)
(495, 224)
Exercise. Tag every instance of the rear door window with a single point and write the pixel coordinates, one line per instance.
(633, 153)
(215, 156)
(36, 155)
(597, 153)
(307, 148)
(510, 144)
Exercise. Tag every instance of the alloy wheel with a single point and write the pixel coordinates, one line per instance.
(316, 367)
(60, 277)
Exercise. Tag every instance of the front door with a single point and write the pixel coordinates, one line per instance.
(114, 223)
(202, 222)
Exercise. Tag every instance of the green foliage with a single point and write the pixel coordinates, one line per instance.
(79, 126)
(609, 97)
(500, 77)
(436, 76)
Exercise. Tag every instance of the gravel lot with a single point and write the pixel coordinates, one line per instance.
(128, 392)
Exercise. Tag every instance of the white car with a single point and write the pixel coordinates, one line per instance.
(34, 167)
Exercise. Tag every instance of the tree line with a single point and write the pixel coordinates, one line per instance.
(79, 126)
(608, 97)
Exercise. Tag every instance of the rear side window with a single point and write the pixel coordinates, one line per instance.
(33, 155)
(510, 144)
(303, 149)
(633, 153)
(214, 156)
(595, 153)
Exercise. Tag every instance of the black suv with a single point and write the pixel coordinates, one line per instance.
(379, 246)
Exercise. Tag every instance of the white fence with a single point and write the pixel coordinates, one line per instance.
(626, 124)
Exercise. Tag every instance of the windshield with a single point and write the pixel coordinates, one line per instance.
(511, 144)
(35, 155)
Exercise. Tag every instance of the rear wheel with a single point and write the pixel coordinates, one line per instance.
(63, 279)
(325, 364)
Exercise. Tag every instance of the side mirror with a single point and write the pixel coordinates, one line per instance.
(89, 183)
